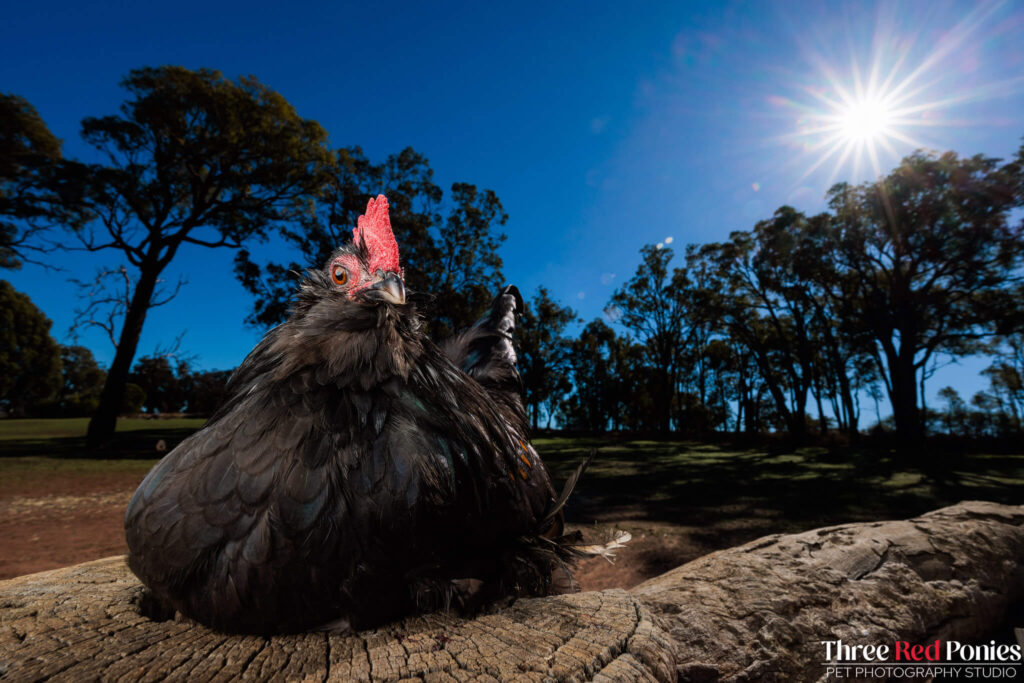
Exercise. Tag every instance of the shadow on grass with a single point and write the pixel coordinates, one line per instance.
(726, 497)
(722, 495)
(134, 444)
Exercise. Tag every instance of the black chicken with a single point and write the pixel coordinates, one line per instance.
(357, 472)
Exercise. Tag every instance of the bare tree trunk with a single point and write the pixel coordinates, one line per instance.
(104, 420)
(822, 420)
(756, 612)
(903, 380)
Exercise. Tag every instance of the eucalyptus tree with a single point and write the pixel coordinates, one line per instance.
(760, 304)
(30, 360)
(192, 159)
(652, 307)
(597, 378)
(32, 198)
(449, 244)
(929, 255)
(544, 353)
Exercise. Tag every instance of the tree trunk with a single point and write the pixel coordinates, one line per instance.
(904, 400)
(756, 612)
(667, 389)
(822, 420)
(104, 420)
(754, 411)
(795, 424)
(839, 411)
(850, 406)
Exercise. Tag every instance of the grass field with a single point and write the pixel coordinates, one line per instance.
(672, 481)
(734, 495)
(685, 497)
(11, 430)
(65, 438)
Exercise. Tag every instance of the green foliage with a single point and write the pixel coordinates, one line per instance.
(25, 141)
(82, 382)
(132, 400)
(30, 364)
(467, 265)
(600, 379)
(155, 376)
(452, 259)
(29, 198)
(954, 418)
(1006, 375)
(544, 353)
(652, 306)
(174, 389)
(769, 291)
(193, 158)
(925, 256)
(205, 391)
(920, 264)
(193, 151)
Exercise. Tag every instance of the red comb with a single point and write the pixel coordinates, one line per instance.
(374, 229)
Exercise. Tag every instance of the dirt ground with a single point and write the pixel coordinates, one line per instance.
(65, 519)
(654, 549)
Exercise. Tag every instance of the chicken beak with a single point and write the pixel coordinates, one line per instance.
(391, 289)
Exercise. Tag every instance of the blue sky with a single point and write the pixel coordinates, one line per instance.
(602, 127)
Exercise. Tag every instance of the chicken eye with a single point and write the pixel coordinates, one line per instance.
(339, 275)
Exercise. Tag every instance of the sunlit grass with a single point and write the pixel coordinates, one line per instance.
(732, 491)
(136, 438)
(676, 481)
(18, 470)
(77, 426)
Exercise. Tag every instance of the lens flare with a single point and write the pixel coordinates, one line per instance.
(871, 112)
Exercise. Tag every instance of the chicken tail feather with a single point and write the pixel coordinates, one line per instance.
(563, 498)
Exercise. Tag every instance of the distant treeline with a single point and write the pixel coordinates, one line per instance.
(798, 316)
(41, 378)
(193, 158)
(805, 315)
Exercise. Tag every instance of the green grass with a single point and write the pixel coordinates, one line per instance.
(65, 438)
(31, 469)
(734, 495)
(727, 494)
(76, 426)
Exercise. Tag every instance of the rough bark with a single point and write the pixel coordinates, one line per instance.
(760, 611)
(755, 612)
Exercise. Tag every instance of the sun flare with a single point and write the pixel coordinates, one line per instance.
(865, 121)
(860, 124)
(858, 114)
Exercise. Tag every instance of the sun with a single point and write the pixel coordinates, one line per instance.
(865, 120)
(853, 116)
(861, 124)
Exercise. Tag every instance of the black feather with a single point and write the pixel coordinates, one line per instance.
(486, 351)
(555, 510)
(355, 473)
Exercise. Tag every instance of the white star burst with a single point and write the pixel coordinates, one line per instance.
(854, 120)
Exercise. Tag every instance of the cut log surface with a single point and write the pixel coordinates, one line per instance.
(754, 612)
(84, 623)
